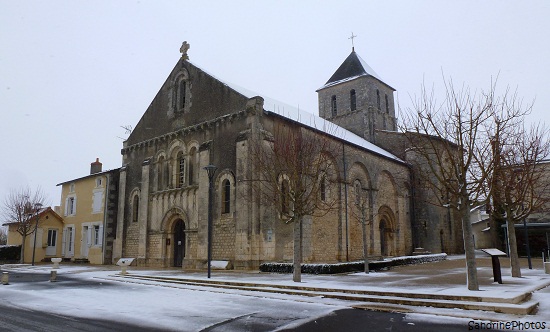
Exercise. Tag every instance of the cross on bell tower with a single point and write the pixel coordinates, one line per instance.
(352, 37)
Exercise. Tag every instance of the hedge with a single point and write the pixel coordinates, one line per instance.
(10, 253)
(352, 266)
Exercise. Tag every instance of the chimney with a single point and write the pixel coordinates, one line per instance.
(96, 166)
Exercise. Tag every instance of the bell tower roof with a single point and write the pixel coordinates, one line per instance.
(351, 68)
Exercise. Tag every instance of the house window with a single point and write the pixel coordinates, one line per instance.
(387, 105)
(378, 98)
(135, 209)
(97, 203)
(52, 237)
(226, 196)
(70, 209)
(352, 100)
(96, 235)
(98, 182)
(181, 170)
(70, 241)
(71, 188)
(333, 106)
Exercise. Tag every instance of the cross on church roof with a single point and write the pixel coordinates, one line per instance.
(352, 36)
(183, 50)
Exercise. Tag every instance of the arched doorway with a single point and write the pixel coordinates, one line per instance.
(387, 229)
(179, 242)
(383, 238)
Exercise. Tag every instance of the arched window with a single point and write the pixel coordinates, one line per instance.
(160, 174)
(192, 161)
(135, 209)
(182, 87)
(352, 100)
(358, 192)
(180, 93)
(387, 105)
(181, 170)
(333, 106)
(323, 188)
(226, 196)
(378, 98)
(285, 196)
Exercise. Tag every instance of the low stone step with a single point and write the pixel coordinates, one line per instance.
(409, 299)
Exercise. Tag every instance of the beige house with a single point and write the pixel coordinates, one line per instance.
(480, 227)
(48, 237)
(85, 210)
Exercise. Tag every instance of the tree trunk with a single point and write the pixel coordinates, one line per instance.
(512, 243)
(22, 259)
(365, 252)
(297, 270)
(469, 248)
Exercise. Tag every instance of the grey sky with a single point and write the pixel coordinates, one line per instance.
(73, 72)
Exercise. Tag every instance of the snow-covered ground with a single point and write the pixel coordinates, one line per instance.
(166, 305)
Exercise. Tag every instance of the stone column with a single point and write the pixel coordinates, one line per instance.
(117, 245)
(248, 232)
(143, 210)
(202, 200)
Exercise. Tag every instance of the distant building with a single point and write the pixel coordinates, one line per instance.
(48, 236)
(481, 228)
(88, 207)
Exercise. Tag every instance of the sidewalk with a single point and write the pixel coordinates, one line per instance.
(408, 288)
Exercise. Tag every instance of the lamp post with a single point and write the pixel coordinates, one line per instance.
(211, 170)
(37, 207)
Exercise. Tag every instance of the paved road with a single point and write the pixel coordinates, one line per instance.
(13, 319)
(27, 304)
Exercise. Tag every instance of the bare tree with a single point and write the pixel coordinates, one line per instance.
(519, 185)
(362, 211)
(21, 208)
(295, 173)
(3, 235)
(446, 140)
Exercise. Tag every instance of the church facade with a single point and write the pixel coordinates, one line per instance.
(197, 120)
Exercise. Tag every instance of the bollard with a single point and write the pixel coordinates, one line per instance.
(123, 270)
(53, 276)
(5, 278)
(56, 262)
(547, 267)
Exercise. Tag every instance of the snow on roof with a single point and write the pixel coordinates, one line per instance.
(310, 120)
(368, 69)
(353, 67)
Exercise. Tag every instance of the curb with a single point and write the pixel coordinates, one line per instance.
(517, 305)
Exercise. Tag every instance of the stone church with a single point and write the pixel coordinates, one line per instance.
(197, 119)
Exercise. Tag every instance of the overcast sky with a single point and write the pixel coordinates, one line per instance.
(73, 72)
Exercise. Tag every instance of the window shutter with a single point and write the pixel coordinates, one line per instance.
(100, 236)
(89, 236)
(63, 241)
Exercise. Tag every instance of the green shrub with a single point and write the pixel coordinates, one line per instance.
(10, 253)
(352, 266)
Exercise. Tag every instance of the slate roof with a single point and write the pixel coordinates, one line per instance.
(273, 106)
(352, 68)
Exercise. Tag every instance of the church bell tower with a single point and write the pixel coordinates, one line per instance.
(357, 99)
